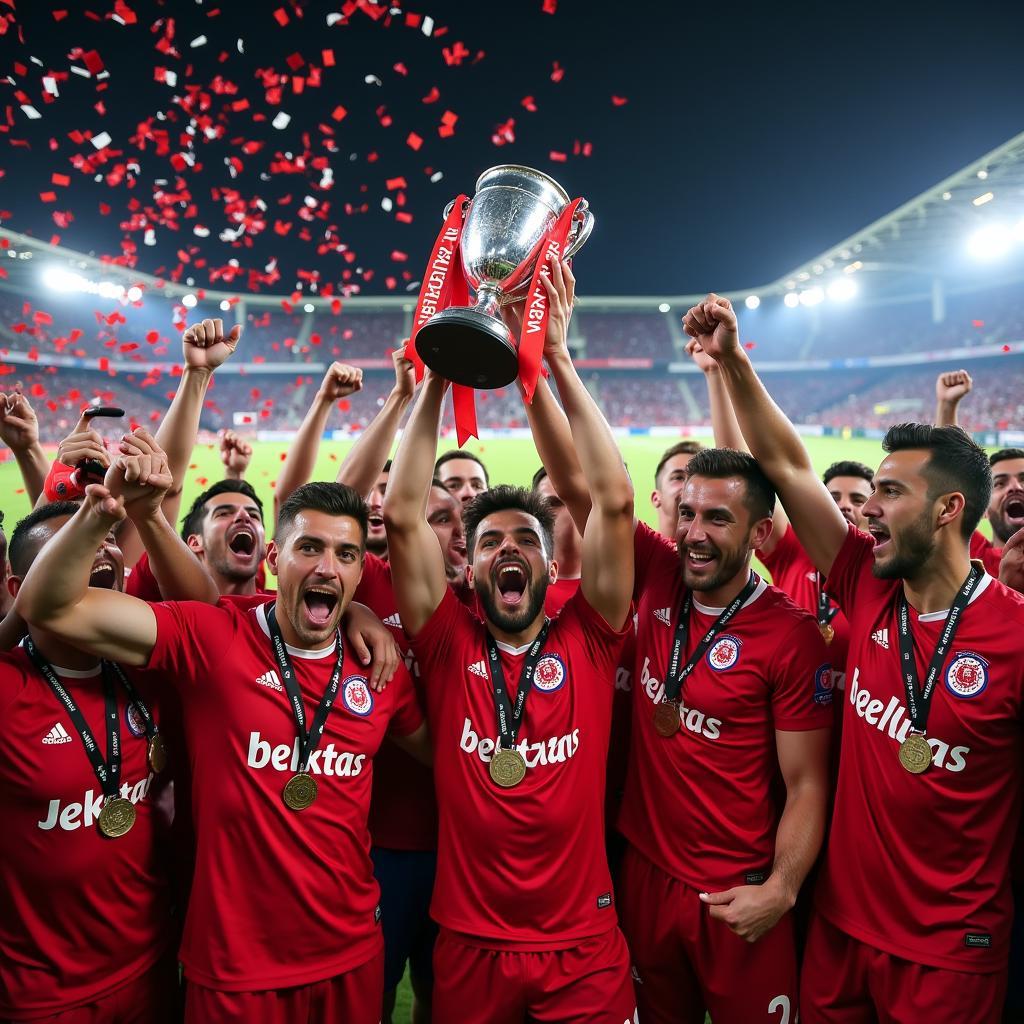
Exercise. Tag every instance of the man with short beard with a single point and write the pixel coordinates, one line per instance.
(913, 905)
(462, 473)
(669, 477)
(523, 895)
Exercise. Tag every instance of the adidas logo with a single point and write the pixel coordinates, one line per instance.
(393, 620)
(270, 679)
(58, 734)
(663, 615)
(881, 637)
(479, 668)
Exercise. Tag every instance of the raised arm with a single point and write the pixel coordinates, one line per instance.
(235, 454)
(417, 564)
(340, 381)
(366, 458)
(19, 430)
(772, 439)
(950, 390)
(607, 569)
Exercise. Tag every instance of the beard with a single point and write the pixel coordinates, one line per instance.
(377, 546)
(227, 568)
(910, 552)
(730, 563)
(514, 621)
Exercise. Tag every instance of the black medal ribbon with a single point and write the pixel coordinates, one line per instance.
(826, 611)
(108, 772)
(308, 738)
(510, 717)
(133, 698)
(675, 675)
(919, 698)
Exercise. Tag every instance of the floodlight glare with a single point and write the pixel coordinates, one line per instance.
(309, 307)
(664, 307)
(990, 242)
(225, 305)
(61, 280)
(791, 299)
(751, 302)
(134, 294)
(843, 289)
(1018, 231)
(189, 301)
(812, 296)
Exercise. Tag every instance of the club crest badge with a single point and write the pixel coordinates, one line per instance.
(724, 653)
(357, 695)
(549, 675)
(967, 675)
(824, 683)
(135, 723)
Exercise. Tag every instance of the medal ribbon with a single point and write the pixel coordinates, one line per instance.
(919, 700)
(108, 773)
(826, 610)
(309, 739)
(133, 698)
(510, 717)
(675, 676)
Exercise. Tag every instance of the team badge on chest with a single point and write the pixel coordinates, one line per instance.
(967, 675)
(724, 653)
(549, 674)
(134, 720)
(357, 696)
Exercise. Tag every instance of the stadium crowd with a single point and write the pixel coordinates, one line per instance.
(559, 765)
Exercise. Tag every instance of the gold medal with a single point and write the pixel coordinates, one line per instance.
(828, 634)
(116, 817)
(299, 791)
(666, 718)
(915, 754)
(507, 768)
(156, 754)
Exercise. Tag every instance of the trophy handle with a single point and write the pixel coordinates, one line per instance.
(448, 209)
(584, 220)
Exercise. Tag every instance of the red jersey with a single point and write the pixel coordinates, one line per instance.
(983, 549)
(794, 574)
(558, 593)
(521, 868)
(279, 898)
(701, 804)
(918, 865)
(80, 914)
(403, 807)
(141, 583)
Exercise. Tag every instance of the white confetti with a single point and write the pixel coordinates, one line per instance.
(50, 85)
(428, 25)
(149, 238)
(334, 17)
(30, 112)
(240, 45)
(310, 202)
(171, 78)
(200, 231)
(281, 119)
(436, 176)
(80, 71)
(372, 80)
(102, 140)
(386, 204)
(197, 42)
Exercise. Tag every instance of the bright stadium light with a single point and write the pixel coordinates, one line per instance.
(61, 280)
(842, 289)
(812, 296)
(990, 242)
(791, 299)
(663, 307)
(309, 307)
(134, 294)
(189, 301)
(225, 306)
(751, 302)
(1018, 231)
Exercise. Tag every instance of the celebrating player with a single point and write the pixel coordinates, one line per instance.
(462, 473)
(913, 905)
(520, 710)
(669, 477)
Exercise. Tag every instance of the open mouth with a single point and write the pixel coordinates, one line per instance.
(880, 535)
(698, 558)
(243, 543)
(103, 576)
(320, 604)
(511, 581)
(1013, 510)
(375, 521)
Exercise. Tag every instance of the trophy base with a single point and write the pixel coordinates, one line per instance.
(468, 347)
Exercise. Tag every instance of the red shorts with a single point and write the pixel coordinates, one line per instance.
(845, 981)
(588, 983)
(686, 963)
(354, 997)
(151, 997)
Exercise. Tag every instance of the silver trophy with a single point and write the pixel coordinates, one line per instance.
(505, 227)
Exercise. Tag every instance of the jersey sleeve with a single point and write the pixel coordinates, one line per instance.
(984, 550)
(374, 585)
(782, 554)
(435, 643)
(192, 640)
(851, 577)
(407, 716)
(141, 583)
(650, 549)
(601, 644)
(12, 680)
(802, 679)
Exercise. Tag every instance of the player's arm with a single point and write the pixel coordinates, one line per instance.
(19, 430)
(950, 390)
(1011, 565)
(365, 459)
(607, 569)
(372, 643)
(55, 594)
(771, 438)
(235, 454)
(752, 910)
(417, 562)
(340, 381)
(417, 744)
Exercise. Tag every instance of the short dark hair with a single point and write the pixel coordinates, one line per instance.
(507, 496)
(722, 463)
(23, 548)
(848, 467)
(333, 499)
(537, 477)
(1004, 454)
(955, 463)
(193, 521)
(460, 453)
(679, 448)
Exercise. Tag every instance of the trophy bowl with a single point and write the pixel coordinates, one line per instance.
(506, 226)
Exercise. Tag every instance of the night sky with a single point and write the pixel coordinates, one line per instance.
(751, 136)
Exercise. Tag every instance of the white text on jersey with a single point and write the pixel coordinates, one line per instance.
(285, 758)
(551, 751)
(690, 718)
(71, 816)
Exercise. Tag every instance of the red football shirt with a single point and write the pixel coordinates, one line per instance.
(558, 593)
(141, 583)
(918, 864)
(403, 807)
(983, 549)
(279, 898)
(525, 867)
(80, 914)
(701, 804)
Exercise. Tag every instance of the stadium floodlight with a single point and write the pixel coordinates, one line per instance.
(664, 307)
(985, 197)
(812, 296)
(134, 294)
(1018, 231)
(225, 306)
(189, 301)
(842, 289)
(61, 280)
(752, 302)
(309, 307)
(791, 299)
(991, 242)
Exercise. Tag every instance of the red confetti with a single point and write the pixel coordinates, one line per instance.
(619, 101)
(281, 17)
(60, 179)
(557, 72)
(413, 141)
(1006, 348)
(549, 6)
(339, 112)
(93, 61)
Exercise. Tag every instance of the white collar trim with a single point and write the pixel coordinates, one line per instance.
(705, 609)
(295, 652)
(941, 616)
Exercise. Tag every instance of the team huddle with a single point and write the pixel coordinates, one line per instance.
(559, 766)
